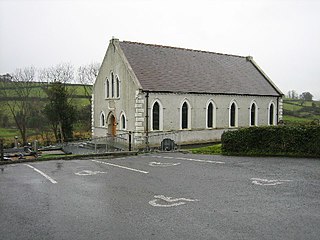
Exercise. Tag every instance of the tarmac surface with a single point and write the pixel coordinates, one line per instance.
(161, 196)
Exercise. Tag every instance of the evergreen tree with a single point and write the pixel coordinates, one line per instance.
(59, 111)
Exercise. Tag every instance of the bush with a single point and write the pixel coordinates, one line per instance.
(275, 140)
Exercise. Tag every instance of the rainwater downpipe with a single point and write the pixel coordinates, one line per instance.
(278, 110)
(147, 120)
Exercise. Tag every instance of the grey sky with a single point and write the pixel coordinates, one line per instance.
(283, 36)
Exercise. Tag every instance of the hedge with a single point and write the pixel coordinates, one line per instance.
(273, 140)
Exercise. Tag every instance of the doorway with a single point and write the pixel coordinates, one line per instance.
(112, 126)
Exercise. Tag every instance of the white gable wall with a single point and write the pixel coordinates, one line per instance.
(125, 104)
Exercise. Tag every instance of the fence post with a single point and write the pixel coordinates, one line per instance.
(130, 141)
(1, 150)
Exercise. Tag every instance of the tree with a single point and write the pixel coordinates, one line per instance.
(293, 94)
(306, 96)
(59, 111)
(87, 75)
(19, 95)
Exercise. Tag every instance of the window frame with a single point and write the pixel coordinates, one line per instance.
(236, 112)
(273, 115)
(188, 117)
(123, 121)
(256, 111)
(157, 101)
(107, 89)
(102, 119)
(117, 87)
(112, 85)
(213, 114)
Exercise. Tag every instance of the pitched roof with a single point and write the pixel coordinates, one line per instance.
(170, 69)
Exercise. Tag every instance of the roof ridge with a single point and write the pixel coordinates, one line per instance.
(186, 49)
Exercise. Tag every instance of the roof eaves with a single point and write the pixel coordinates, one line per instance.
(210, 93)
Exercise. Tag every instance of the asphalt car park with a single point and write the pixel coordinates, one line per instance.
(162, 196)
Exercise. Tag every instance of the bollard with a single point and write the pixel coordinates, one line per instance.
(1, 150)
(35, 146)
(16, 142)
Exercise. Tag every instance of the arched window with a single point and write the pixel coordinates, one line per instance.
(118, 87)
(102, 119)
(233, 115)
(271, 114)
(107, 88)
(112, 85)
(123, 122)
(184, 115)
(156, 116)
(210, 116)
(253, 115)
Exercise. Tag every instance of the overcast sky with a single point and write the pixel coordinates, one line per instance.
(283, 36)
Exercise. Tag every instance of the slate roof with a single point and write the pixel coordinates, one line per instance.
(169, 69)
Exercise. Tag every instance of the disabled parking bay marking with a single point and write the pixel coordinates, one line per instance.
(169, 201)
(266, 182)
(88, 173)
(160, 164)
(119, 166)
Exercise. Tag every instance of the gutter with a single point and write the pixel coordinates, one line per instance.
(209, 93)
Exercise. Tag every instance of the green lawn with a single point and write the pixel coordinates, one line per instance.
(8, 133)
(214, 149)
(296, 120)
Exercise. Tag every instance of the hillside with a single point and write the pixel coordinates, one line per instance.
(296, 111)
(38, 127)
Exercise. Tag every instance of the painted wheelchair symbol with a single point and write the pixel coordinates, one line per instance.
(159, 164)
(169, 201)
(88, 173)
(266, 182)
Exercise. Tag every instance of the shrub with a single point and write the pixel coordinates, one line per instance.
(273, 140)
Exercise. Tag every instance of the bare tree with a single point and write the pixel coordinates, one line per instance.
(293, 94)
(19, 97)
(63, 73)
(87, 75)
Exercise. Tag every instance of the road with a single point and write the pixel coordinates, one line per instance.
(161, 196)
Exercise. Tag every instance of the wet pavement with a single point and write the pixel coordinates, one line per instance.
(162, 196)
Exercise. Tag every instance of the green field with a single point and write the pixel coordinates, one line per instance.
(38, 98)
(298, 112)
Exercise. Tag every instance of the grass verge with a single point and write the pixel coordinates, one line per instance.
(213, 150)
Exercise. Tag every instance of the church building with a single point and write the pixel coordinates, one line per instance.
(154, 90)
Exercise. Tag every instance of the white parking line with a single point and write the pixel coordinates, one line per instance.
(42, 173)
(200, 160)
(114, 165)
(182, 158)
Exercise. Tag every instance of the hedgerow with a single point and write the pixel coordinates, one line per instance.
(301, 140)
